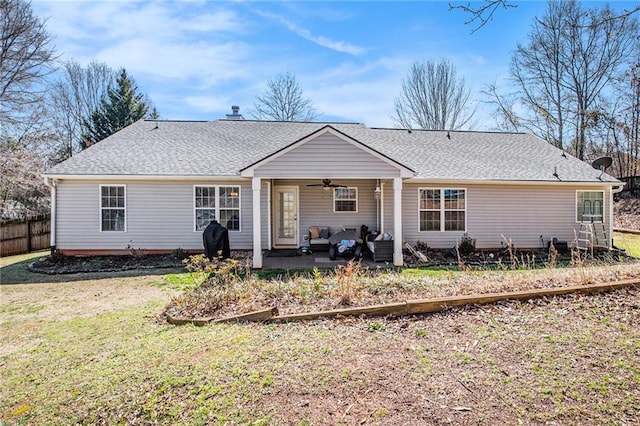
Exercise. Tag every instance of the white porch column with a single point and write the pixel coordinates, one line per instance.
(256, 185)
(381, 208)
(397, 222)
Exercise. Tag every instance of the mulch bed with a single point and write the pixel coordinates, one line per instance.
(57, 264)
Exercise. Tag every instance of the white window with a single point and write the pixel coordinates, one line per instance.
(345, 200)
(112, 208)
(442, 209)
(221, 203)
(590, 206)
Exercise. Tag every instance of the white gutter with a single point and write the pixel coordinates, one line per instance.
(245, 179)
(51, 183)
(509, 182)
(618, 189)
(148, 177)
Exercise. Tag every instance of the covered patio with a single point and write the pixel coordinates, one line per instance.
(293, 190)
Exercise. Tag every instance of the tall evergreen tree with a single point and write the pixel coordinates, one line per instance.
(122, 106)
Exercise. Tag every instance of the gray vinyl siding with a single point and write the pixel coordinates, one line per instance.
(159, 216)
(316, 206)
(327, 156)
(499, 213)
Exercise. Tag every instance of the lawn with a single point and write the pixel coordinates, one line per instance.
(629, 242)
(92, 351)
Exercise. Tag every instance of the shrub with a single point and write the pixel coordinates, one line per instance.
(467, 245)
(423, 247)
(348, 276)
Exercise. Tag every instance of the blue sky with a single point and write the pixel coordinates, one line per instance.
(196, 58)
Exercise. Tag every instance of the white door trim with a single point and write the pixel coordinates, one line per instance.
(277, 240)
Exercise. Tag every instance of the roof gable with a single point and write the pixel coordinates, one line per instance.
(327, 152)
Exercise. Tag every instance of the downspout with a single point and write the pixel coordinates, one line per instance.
(613, 191)
(51, 183)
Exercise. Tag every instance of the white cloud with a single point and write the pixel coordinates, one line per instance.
(205, 64)
(339, 46)
(195, 59)
(174, 41)
(206, 103)
(96, 24)
(357, 92)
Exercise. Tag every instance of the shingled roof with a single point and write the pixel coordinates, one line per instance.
(225, 147)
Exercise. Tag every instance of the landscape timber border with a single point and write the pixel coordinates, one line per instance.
(410, 307)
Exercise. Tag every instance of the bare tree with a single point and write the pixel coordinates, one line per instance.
(26, 55)
(482, 12)
(22, 189)
(433, 97)
(26, 59)
(74, 97)
(283, 101)
(565, 70)
(620, 126)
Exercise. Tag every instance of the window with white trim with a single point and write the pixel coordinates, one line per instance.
(442, 209)
(112, 208)
(590, 206)
(345, 200)
(221, 203)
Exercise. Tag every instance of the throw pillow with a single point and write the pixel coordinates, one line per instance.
(324, 233)
(314, 232)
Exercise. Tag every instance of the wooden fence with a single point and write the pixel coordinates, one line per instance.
(24, 236)
(632, 184)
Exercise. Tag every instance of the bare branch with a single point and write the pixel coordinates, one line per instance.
(483, 13)
(26, 57)
(566, 69)
(283, 101)
(433, 97)
(74, 97)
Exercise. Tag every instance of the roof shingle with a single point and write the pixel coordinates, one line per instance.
(225, 147)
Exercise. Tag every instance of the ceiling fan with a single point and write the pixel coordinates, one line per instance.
(326, 184)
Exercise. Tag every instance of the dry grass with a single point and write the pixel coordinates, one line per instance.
(351, 286)
(570, 360)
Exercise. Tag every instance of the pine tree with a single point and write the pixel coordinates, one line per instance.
(122, 106)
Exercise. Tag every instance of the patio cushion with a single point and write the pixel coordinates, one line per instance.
(324, 233)
(314, 232)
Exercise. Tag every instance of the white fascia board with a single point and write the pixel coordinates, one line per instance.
(510, 182)
(146, 177)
